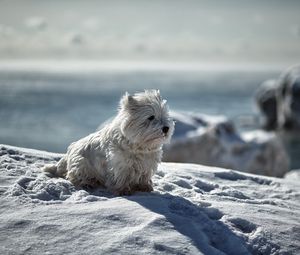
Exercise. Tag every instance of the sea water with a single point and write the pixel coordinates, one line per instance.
(49, 110)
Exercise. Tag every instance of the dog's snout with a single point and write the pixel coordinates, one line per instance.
(165, 129)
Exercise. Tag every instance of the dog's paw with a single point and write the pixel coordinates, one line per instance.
(124, 192)
(143, 187)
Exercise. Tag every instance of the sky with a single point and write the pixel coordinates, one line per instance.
(191, 30)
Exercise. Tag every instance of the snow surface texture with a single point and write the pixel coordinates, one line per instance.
(193, 210)
(214, 141)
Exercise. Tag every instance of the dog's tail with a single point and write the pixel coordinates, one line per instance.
(57, 170)
(51, 169)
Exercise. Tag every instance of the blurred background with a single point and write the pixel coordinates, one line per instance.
(65, 64)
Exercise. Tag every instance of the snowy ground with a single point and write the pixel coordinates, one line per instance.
(193, 210)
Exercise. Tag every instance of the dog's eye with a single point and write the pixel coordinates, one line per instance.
(151, 117)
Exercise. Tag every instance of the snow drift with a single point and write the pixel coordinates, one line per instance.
(194, 210)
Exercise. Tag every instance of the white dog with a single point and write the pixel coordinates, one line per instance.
(124, 154)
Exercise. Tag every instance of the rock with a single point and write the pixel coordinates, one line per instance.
(291, 141)
(215, 142)
(266, 101)
(288, 99)
(279, 101)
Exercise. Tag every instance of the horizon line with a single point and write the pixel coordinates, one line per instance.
(86, 65)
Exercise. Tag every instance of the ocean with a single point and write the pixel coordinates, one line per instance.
(48, 109)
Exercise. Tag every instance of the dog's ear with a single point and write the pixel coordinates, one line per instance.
(127, 102)
(154, 92)
(157, 93)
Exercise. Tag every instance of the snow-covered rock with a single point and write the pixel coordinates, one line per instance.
(288, 99)
(215, 142)
(279, 101)
(266, 100)
(194, 209)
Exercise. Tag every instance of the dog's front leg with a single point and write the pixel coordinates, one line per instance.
(145, 184)
(119, 182)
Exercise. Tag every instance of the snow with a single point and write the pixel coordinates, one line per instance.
(194, 209)
(293, 175)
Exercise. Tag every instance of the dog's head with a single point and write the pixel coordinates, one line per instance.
(145, 119)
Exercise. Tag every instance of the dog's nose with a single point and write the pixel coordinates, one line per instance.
(165, 129)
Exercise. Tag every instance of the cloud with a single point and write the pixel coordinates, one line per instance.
(258, 19)
(36, 23)
(91, 24)
(6, 30)
(295, 30)
(216, 20)
(75, 38)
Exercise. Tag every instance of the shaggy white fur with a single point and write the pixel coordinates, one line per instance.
(125, 153)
